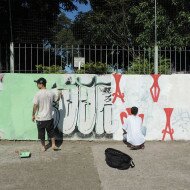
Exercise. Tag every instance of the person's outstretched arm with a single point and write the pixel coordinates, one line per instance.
(57, 98)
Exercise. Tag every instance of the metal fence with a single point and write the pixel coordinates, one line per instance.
(4, 58)
(133, 60)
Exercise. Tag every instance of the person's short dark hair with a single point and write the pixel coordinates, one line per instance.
(134, 110)
(41, 81)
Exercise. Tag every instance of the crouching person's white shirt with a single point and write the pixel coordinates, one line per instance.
(132, 126)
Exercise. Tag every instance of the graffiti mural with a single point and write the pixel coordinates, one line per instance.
(168, 129)
(159, 98)
(85, 108)
(96, 106)
(117, 93)
(155, 89)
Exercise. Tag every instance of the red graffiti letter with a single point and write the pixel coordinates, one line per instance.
(117, 93)
(126, 114)
(122, 116)
(128, 111)
(168, 128)
(142, 117)
(155, 89)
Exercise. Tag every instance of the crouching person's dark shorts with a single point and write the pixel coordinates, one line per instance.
(45, 126)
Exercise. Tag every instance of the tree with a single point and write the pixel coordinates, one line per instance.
(172, 20)
(64, 34)
(107, 23)
(32, 20)
(131, 22)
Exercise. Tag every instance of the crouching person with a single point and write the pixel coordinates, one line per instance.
(133, 135)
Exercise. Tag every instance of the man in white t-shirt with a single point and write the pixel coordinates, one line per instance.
(42, 112)
(133, 130)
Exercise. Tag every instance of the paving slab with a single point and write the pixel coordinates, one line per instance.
(161, 165)
(80, 165)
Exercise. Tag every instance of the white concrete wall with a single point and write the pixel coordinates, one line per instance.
(174, 93)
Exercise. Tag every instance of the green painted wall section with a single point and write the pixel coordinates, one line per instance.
(16, 105)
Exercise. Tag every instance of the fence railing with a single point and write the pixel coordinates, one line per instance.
(133, 60)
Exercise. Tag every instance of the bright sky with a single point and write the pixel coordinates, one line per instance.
(81, 8)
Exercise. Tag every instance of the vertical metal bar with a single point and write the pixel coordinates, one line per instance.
(185, 59)
(73, 56)
(89, 54)
(101, 53)
(6, 50)
(25, 58)
(31, 65)
(175, 59)
(144, 60)
(165, 60)
(123, 58)
(49, 56)
(43, 53)
(84, 56)
(55, 55)
(160, 61)
(78, 56)
(19, 57)
(139, 51)
(37, 57)
(149, 57)
(170, 60)
(117, 58)
(128, 54)
(78, 51)
(106, 57)
(85, 52)
(112, 57)
(61, 57)
(67, 55)
(133, 58)
(95, 54)
(180, 58)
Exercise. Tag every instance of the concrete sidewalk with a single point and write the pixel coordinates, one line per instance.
(81, 166)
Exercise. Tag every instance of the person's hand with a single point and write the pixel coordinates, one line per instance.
(60, 93)
(33, 118)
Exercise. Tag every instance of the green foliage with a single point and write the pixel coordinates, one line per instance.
(34, 20)
(94, 68)
(131, 22)
(143, 66)
(64, 33)
(173, 22)
(108, 23)
(51, 69)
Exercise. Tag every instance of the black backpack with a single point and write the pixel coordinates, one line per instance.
(118, 159)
